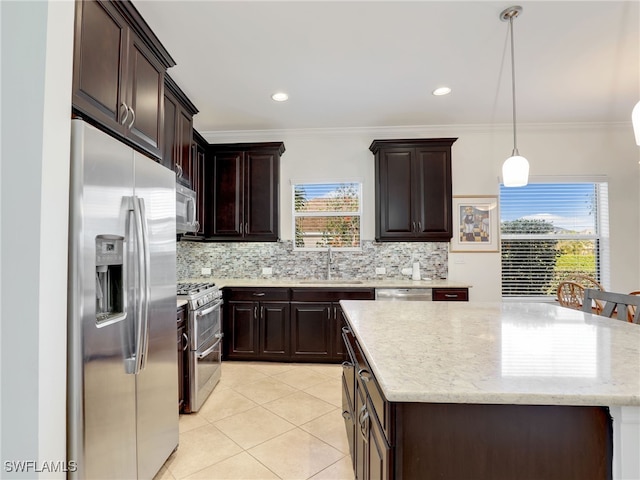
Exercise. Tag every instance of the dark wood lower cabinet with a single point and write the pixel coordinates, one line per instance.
(183, 369)
(416, 441)
(282, 324)
(311, 331)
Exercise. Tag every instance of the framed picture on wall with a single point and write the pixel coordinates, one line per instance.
(475, 224)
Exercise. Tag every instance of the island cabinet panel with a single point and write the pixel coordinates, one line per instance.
(413, 189)
(416, 441)
(118, 73)
(503, 442)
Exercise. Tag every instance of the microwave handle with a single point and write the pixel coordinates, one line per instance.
(193, 210)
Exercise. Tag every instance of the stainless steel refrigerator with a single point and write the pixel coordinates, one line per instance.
(122, 417)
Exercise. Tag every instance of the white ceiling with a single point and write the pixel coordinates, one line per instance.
(375, 63)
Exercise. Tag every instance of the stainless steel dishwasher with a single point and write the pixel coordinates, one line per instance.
(404, 294)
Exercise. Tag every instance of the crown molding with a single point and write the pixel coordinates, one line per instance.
(390, 132)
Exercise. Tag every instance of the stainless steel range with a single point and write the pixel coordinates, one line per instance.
(204, 329)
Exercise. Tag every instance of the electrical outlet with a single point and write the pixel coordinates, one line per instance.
(205, 271)
(267, 270)
(381, 271)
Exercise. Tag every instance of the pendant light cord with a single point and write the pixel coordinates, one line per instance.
(513, 88)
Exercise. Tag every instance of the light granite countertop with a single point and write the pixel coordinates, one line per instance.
(503, 353)
(338, 283)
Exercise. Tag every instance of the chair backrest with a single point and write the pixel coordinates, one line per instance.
(571, 295)
(614, 303)
(584, 280)
(632, 308)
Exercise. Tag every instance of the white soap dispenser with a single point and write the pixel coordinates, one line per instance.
(415, 273)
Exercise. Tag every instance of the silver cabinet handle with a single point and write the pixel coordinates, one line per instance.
(255, 310)
(126, 112)
(246, 228)
(262, 312)
(419, 227)
(346, 415)
(451, 295)
(346, 330)
(133, 118)
(413, 224)
(241, 228)
(258, 294)
(365, 375)
(347, 365)
(179, 171)
(363, 421)
(186, 343)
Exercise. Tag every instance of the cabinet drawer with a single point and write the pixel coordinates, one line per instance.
(257, 294)
(367, 381)
(331, 295)
(450, 294)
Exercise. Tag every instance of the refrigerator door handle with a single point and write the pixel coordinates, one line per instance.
(140, 310)
(130, 362)
(146, 283)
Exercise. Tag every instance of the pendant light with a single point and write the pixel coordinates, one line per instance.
(635, 120)
(515, 169)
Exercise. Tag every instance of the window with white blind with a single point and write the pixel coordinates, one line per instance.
(327, 215)
(550, 231)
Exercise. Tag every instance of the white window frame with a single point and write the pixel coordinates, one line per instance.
(601, 236)
(295, 215)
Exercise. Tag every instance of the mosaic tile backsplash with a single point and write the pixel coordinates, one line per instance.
(246, 260)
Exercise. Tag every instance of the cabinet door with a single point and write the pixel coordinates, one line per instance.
(199, 185)
(393, 195)
(225, 187)
(261, 208)
(100, 52)
(242, 341)
(361, 435)
(310, 331)
(339, 353)
(274, 331)
(169, 142)
(145, 93)
(379, 452)
(181, 363)
(184, 131)
(432, 194)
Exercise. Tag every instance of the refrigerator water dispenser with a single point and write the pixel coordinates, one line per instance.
(110, 283)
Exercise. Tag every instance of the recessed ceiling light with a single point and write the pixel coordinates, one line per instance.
(442, 91)
(280, 97)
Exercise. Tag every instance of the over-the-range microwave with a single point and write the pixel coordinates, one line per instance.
(186, 217)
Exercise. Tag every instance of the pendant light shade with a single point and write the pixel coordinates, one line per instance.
(635, 119)
(515, 170)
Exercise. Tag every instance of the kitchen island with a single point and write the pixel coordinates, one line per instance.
(490, 390)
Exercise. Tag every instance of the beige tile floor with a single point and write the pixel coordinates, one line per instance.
(266, 421)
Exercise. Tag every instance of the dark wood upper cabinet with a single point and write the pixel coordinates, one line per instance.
(177, 153)
(242, 197)
(413, 189)
(118, 77)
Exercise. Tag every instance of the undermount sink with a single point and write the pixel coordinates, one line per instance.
(350, 282)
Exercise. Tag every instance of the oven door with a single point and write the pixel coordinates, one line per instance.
(205, 367)
(205, 356)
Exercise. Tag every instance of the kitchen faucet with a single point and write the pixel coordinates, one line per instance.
(329, 262)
